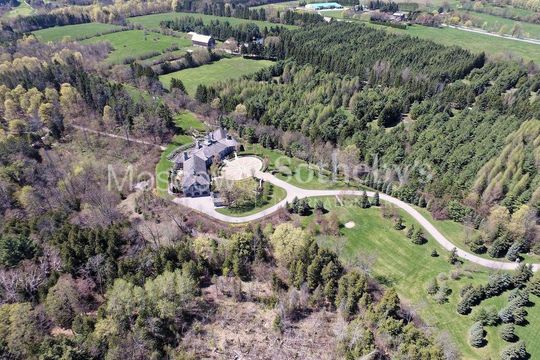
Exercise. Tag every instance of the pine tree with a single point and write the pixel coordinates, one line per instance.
(453, 257)
(364, 201)
(508, 332)
(376, 199)
(177, 84)
(418, 237)
(515, 351)
(410, 231)
(476, 335)
(433, 287)
(398, 224)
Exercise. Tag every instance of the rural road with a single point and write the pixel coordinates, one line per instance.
(206, 206)
(82, 128)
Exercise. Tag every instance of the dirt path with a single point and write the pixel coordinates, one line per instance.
(138, 141)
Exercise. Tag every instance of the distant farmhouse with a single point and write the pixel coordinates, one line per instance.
(202, 40)
(191, 166)
(324, 6)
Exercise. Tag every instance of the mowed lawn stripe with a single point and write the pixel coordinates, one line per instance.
(209, 74)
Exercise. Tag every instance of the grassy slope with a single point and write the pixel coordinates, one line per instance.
(302, 174)
(220, 70)
(496, 22)
(409, 267)
(276, 194)
(135, 43)
(186, 122)
(153, 21)
(24, 9)
(475, 42)
(57, 33)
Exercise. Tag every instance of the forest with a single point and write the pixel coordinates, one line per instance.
(463, 120)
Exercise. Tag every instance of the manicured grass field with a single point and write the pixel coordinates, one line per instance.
(74, 32)
(224, 69)
(153, 21)
(137, 43)
(275, 195)
(187, 122)
(397, 262)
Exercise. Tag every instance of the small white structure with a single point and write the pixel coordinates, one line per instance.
(202, 40)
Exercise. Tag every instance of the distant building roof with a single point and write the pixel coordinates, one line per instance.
(325, 5)
(201, 38)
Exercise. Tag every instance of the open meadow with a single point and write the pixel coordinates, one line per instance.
(223, 69)
(74, 32)
(153, 21)
(138, 43)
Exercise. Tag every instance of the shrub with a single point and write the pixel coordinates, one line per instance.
(508, 332)
(476, 335)
(486, 316)
(515, 351)
(432, 287)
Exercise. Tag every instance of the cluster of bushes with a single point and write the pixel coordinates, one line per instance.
(497, 284)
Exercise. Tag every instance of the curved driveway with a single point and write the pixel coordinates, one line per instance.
(206, 206)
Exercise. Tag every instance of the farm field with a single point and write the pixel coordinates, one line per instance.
(224, 69)
(74, 32)
(153, 21)
(409, 267)
(24, 9)
(495, 23)
(137, 43)
(278, 6)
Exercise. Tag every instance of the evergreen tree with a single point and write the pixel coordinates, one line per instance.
(364, 201)
(177, 84)
(515, 351)
(476, 335)
(508, 332)
(376, 199)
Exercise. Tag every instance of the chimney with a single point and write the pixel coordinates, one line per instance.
(197, 144)
(186, 155)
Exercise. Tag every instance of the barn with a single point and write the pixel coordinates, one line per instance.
(202, 40)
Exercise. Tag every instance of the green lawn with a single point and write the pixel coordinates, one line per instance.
(153, 21)
(295, 171)
(188, 122)
(275, 195)
(224, 69)
(137, 43)
(397, 262)
(74, 32)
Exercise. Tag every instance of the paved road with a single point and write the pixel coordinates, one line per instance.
(206, 206)
(138, 141)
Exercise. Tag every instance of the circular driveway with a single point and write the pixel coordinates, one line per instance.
(241, 168)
